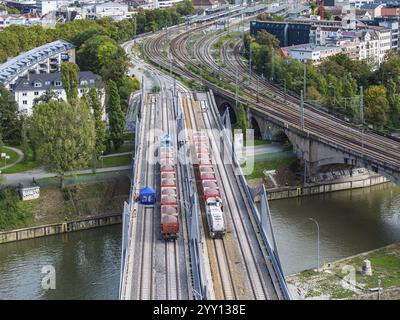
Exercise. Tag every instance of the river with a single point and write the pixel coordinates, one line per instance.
(350, 222)
(87, 263)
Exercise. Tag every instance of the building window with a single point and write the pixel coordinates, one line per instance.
(24, 102)
(37, 84)
(58, 83)
(36, 93)
(24, 94)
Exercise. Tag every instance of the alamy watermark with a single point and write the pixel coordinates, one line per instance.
(49, 280)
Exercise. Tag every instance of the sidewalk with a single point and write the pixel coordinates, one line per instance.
(40, 173)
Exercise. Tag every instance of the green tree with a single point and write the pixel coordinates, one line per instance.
(24, 139)
(102, 55)
(394, 104)
(266, 39)
(115, 115)
(127, 85)
(1, 143)
(64, 135)
(9, 10)
(10, 123)
(185, 8)
(243, 122)
(46, 97)
(69, 78)
(100, 127)
(313, 7)
(376, 106)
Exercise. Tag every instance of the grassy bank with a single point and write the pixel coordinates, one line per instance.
(385, 264)
(272, 164)
(56, 205)
(13, 213)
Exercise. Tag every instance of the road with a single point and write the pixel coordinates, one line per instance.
(26, 178)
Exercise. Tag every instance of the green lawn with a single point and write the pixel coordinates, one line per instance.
(23, 166)
(13, 156)
(116, 161)
(259, 167)
(126, 147)
(257, 142)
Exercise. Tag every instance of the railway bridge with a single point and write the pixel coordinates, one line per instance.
(314, 150)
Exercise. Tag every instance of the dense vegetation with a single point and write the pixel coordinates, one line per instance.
(335, 83)
(16, 39)
(98, 50)
(9, 10)
(12, 213)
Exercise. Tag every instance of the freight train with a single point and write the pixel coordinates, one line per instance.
(209, 186)
(169, 192)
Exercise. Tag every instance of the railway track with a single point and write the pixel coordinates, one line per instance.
(246, 260)
(317, 123)
(216, 247)
(146, 235)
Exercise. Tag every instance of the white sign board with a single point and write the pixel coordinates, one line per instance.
(2, 155)
(30, 193)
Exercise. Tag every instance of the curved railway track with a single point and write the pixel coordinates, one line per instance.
(318, 123)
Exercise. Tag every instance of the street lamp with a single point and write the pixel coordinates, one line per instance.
(315, 221)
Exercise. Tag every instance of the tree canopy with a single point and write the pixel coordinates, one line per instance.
(10, 121)
(115, 115)
(63, 135)
(69, 78)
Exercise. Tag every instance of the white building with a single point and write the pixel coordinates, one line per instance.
(166, 3)
(29, 88)
(43, 59)
(115, 10)
(359, 3)
(311, 52)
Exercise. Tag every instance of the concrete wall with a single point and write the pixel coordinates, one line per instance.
(50, 229)
(291, 192)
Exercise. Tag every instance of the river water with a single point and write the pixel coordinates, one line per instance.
(87, 263)
(350, 222)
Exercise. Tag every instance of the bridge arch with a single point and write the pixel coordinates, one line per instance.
(232, 113)
(256, 127)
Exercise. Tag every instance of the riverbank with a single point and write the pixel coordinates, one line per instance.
(343, 279)
(88, 222)
(319, 188)
(73, 203)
